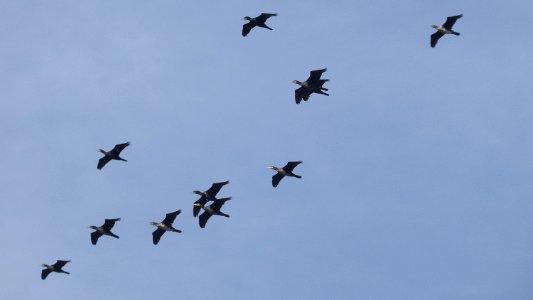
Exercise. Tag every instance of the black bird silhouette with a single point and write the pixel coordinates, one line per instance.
(313, 84)
(285, 171)
(208, 195)
(213, 209)
(103, 230)
(165, 225)
(57, 267)
(258, 21)
(446, 28)
(113, 154)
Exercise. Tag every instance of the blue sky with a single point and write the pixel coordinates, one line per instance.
(417, 169)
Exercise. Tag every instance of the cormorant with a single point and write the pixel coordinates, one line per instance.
(285, 171)
(213, 209)
(165, 225)
(208, 195)
(313, 84)
(103, 230)
(257, 21)
(446, 28)
(113, 154)
(57, 267)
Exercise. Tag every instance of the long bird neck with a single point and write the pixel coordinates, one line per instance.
(199, 193)
(103, 151)
(93, 227)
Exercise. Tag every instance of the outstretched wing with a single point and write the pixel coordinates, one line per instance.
(215, 188)
(109, 223)
(450, 21)
(276, 179)
(263, 17)
(301, 93)
(119, 147)
(315, 76)
(203, 219)
(156, 235)
(246, 28)
(170, 217)
(102, 162)
(291, 165)
(217, 204)
(435, 38)
(95, 236)
(61, 263)
(44, 273)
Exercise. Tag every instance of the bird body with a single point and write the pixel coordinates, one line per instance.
(57, 267)
(313, 84)
(444, 29)
(114, 154)
(285, 171)
(258, 21)
(164, 226)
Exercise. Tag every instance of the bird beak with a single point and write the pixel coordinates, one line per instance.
(196, 204)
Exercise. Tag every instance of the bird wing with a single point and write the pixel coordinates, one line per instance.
(435, 38)
(263, 17)
(95, 236)
(215, 188)
(246, 28)
(156, 235)
(202, 220)
(291, 165)
(450, 21)
(60, 263)
(196, 209)
(109, 223)
(102, 162)
(301, 93)
(217, 204)
(276, 179)
(169, 219)
(119, 147)
(44, 273)
(315, 76)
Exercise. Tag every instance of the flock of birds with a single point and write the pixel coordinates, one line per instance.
(313, 84)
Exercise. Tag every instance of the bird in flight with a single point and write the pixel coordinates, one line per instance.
(285, 171)
(164, 226)
(57, 267)
(258, 21)
(445, 28)
(114, 154)
(313, 84)
(103, 230)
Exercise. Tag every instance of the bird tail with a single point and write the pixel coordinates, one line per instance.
(225, 215)
(297, 176)
(65, 272)
(324, 89)
(115, 236)
(177, 230)
(456, 33)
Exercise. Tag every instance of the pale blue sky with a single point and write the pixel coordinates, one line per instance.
(417, 174)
